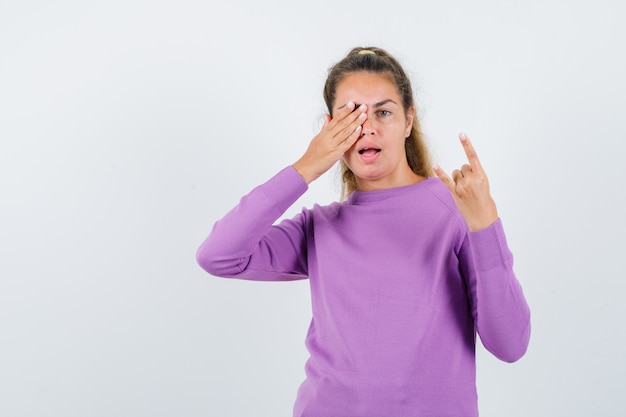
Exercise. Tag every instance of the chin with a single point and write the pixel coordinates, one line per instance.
(368, 176)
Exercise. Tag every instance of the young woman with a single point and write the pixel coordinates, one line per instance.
(404, 272)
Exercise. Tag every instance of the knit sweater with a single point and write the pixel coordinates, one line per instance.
(399, 289)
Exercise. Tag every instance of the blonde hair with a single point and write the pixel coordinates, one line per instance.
(379, 61)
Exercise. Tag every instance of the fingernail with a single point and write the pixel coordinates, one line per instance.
(362, 107)
(362, 116)
(435, 167)
(358, 128)
(462, 136)
(350, 105)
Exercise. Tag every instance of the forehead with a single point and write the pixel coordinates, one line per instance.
(367, 88)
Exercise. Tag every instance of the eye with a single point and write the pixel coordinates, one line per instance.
(384, 113)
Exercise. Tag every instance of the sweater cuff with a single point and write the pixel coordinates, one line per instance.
(284, 188)
(490, 247)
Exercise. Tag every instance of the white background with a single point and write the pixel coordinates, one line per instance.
(129, 127)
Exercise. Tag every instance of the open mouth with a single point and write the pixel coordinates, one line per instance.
(369, 151)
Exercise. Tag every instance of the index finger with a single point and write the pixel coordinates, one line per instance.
(344, 112)
(349, 106)
(470, 152)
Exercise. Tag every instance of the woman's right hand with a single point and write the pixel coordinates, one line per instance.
(337, 136)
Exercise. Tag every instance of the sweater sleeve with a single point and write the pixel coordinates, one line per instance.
(500, 310)
(246, 244)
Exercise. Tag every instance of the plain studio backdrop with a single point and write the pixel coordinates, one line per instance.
(128, 128)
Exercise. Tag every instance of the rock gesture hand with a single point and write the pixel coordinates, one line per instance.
(470, 189)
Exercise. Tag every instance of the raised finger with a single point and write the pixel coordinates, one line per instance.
(470, 152)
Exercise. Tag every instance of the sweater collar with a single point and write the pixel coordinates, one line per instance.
(364, 197)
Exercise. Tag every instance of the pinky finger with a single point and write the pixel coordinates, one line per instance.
(445, 178)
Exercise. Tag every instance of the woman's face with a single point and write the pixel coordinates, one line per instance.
(378, 158)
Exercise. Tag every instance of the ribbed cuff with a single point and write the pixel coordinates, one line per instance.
(284, 188)
(490, 247)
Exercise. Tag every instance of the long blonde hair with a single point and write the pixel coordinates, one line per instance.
(377, 60)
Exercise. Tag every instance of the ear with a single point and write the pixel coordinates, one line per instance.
(410, 115)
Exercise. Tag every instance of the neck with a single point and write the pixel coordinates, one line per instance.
(401, 180)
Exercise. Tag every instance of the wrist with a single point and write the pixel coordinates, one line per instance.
(483, 219)
(305, 171)
(482, 224)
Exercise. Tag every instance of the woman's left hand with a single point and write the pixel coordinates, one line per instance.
(470, 188)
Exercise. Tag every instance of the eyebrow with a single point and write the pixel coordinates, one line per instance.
(380, 103)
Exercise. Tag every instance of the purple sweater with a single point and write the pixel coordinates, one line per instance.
(399, 289)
